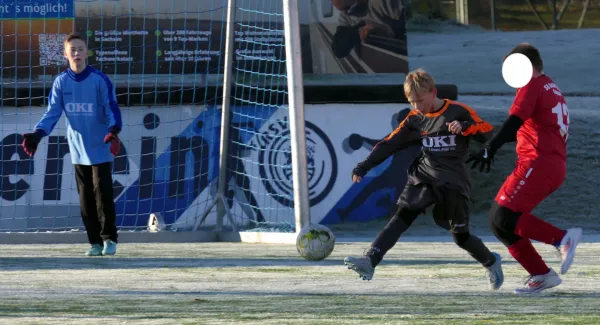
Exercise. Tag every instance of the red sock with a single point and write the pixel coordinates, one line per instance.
(532, 227)
(524, 252)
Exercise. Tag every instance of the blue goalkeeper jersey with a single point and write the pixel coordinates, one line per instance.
(89, 103)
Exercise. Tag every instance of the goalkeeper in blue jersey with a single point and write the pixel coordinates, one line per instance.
(93, 119)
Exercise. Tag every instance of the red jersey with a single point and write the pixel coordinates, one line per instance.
(541, 105)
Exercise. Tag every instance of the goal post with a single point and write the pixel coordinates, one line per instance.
(295, 82)
(219, 201)
(294, 85)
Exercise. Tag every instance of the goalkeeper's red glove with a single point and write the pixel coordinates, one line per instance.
(115, 144)
(31, 141)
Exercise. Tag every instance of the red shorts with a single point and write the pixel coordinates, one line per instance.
(530, 183)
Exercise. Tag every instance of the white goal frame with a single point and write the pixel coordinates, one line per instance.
(297, 132)
(298, 150)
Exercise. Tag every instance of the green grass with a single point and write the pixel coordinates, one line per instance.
(417, 283)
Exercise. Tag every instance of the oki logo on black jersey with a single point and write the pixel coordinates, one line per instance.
(440, 143)
(79, 107)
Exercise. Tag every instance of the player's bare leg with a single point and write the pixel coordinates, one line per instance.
(385, 240)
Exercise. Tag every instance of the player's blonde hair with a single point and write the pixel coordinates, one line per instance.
(418, 81)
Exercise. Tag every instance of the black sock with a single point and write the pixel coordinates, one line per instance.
(389, 235)
(476, 248)
(374, 254)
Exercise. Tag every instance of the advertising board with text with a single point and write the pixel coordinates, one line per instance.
(188, 37)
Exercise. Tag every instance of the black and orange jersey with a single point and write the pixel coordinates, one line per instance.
(443, 154)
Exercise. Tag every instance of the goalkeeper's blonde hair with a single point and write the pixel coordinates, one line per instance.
(418, 81)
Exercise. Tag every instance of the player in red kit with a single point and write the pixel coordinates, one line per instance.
(539, 121)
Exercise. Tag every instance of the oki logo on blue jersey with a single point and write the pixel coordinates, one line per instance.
(79, 107)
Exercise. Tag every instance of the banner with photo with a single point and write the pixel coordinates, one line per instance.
(188, 37)
(169, 164)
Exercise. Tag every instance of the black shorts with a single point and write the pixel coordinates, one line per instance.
(451, 210)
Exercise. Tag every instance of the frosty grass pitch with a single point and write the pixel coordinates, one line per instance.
(421, 281)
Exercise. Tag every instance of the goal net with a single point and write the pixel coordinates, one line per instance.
(166, 59)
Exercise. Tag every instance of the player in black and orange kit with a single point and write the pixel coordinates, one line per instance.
(539, 121)
(438, 176)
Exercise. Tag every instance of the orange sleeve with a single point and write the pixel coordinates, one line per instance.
(401, 126)
(476, 125)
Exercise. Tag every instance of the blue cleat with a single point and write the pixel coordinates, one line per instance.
(110, 247)
(95, 250)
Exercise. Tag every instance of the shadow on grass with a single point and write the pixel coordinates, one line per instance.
(204, 296)
(496, 294)
(76, 263)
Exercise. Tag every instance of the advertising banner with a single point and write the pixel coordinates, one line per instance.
(169, 164)
(32, 34)
(158, 37)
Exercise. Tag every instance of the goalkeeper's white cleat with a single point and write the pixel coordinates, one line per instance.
(361, 265)
(495, 274)
(537, 283)
(567, 248)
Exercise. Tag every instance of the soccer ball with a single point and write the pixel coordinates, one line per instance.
(315, 242)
